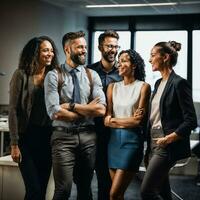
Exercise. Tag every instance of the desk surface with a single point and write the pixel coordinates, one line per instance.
(7, 161)
(4, 129)
(4, 124)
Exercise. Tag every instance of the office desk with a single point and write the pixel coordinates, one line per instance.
(3, 129)
(11, 179)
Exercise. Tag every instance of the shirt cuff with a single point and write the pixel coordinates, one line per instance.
(55, 110)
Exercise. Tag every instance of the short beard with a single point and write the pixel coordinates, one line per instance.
(105, 55)
(76, 59)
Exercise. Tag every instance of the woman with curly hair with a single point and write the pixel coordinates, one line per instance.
(29, 124)
(171, 119)
(127, 106)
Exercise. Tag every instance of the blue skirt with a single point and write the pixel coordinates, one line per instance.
(125, 149)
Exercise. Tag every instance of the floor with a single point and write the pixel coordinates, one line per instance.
(183, 185)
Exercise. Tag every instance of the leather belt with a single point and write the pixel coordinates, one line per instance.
(74, 129)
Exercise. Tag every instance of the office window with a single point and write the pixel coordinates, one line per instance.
(124, 43)
(196, 66)
(145, 40)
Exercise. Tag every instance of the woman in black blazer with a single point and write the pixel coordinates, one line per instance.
(29, 124)
(171, 119)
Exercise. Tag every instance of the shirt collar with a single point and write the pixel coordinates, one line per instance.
(114, 67)
(69, 69)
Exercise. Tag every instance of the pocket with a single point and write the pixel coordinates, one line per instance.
(157, 133)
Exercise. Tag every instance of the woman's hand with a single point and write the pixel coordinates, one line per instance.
(16, 154)
(112, 122)
(139, 112)
(168, 139)
(161, 142)
(107, 120)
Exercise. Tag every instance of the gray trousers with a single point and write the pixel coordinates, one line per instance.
(73, 158)
(155, 184)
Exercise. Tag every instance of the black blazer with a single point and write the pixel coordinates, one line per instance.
(177, 114)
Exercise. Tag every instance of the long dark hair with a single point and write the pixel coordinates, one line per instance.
(29, 57)
(138, 61)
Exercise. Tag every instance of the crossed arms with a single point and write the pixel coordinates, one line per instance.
(137, 117)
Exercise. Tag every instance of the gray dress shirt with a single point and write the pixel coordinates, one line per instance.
(52, 99)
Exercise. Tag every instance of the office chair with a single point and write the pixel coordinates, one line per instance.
(180, 164)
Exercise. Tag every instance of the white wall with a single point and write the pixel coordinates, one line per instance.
(20, 21)
(74, 20)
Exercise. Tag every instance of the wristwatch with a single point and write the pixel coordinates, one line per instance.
(71, 106)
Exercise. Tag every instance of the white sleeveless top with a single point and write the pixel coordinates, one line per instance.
(126, 98)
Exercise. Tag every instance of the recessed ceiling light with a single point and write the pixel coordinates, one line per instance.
(142, 4)
(130, 5)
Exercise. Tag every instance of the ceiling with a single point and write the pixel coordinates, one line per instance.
(181, 7)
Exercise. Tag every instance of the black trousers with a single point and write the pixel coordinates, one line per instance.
(101, 166)
(155, 185)
(73, 156)
(35, 166)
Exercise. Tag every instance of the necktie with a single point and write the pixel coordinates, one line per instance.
(76, 98)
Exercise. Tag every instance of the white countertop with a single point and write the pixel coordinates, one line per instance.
(7, 161)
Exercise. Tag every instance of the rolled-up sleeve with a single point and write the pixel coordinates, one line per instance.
(98, 88)
(51, 93)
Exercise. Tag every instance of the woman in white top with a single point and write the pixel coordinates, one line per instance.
(127, 105)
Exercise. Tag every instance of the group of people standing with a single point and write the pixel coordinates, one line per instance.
(79, 119)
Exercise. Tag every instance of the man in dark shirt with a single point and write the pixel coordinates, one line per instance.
(108, 72)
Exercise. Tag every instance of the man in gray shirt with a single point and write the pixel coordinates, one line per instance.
(73, 140)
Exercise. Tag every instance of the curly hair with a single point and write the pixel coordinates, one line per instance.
(29, 57)
(138, 61)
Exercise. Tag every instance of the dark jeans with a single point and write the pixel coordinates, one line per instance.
(155, 185)
(73, 154)
(36, 161)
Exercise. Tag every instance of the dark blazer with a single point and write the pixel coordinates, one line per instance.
(20, 103)
(177, 114)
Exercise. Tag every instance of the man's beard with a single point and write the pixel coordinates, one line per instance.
(106, 56)
(76, 58)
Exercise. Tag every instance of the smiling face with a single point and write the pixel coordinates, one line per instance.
(46, 53)
(77, 50)
(156, 59)
(126, 68)
(109, 49)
